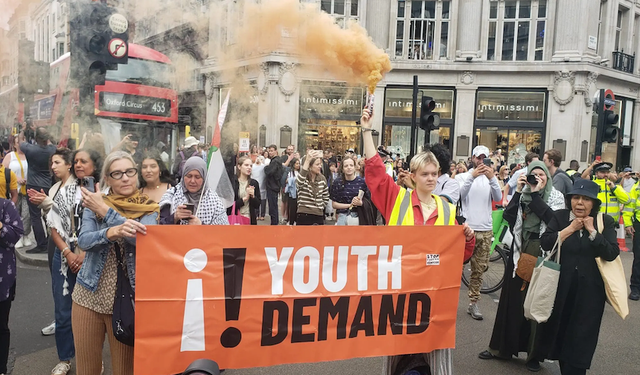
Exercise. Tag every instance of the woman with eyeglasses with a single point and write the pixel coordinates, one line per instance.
(110, 224)
(191, 202)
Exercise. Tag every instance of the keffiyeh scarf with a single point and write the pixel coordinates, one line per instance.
(210, 210)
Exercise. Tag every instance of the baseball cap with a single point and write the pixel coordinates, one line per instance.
(627, 169)
(481, 150)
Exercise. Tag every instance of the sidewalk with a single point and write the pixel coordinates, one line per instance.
(38, 260)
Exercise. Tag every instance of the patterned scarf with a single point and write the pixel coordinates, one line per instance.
(176, 196)
(59, 218)
(133, 206)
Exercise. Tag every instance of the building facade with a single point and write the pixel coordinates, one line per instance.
(515, 75)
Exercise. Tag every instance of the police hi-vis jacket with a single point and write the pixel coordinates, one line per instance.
(611, 199)
(631, 209)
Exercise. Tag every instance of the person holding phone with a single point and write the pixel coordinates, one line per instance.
(64, 213)
(528, 214)
(312, 190)
(247, 191)
(110, 224)
(478, 189)
(191, 202)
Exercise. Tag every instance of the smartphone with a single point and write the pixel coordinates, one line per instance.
(89, 184)
(486, 162)
(190, 207)
(532, 179)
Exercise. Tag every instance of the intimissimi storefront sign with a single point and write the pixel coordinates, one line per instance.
(511, 106)
(399, 102)
(330, 101)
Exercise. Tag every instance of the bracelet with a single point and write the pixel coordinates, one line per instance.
(366, 130)
(63, 250)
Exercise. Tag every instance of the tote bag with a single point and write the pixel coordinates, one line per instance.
(538, 304)
(237, 219)
(615, 281)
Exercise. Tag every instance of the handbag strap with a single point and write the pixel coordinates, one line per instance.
(556, 247)
(600, 220)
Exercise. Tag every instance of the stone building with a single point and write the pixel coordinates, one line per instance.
(515, 75)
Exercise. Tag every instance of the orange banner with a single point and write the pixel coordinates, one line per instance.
(250, 296)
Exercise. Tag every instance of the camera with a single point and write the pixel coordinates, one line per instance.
(532, 179)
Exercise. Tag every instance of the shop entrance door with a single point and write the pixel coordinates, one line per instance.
(338, 135)
(513, 142)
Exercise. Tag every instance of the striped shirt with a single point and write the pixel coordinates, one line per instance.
(312, 196)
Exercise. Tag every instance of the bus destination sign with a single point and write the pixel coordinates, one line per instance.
(135, 104)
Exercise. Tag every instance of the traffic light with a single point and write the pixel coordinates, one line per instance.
(428, 119)
(98, 41)
(609, 128)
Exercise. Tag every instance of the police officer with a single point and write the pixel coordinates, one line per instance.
(631, 216)
(611, 195)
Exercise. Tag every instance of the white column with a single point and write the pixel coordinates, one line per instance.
(470, 30)
(377, 21)
(635, 136)
(465, 117)
(572, 29)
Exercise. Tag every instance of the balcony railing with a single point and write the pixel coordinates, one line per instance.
(623, 62)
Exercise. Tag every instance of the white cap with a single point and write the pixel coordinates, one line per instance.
(190, 141)
(481, 150)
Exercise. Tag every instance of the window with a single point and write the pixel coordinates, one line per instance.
(422, 29)
(60, 49)
(516, 31)
(619, 29)
(343, 11)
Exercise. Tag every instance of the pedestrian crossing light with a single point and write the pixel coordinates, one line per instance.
(610, 130)
(429, 120)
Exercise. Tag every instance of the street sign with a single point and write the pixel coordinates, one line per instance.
(609, 99)
(118, 23)
(244, 144)
(117, 48)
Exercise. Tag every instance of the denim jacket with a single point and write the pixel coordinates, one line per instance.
(93, 240)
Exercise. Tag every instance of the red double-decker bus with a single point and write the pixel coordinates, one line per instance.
(136, 98)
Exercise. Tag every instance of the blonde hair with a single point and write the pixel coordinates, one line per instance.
(110, 159)
(502, 169)
(422, 159)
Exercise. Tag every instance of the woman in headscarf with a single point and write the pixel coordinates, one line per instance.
(108, 235)
(528, 214)
(191, 202)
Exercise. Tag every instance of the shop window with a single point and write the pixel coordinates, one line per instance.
(511, 106)
(397, 138)
(516, 31)
(515, 144)
(422, 29)
(343, 11)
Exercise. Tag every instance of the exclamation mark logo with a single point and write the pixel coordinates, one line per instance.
(233, 260)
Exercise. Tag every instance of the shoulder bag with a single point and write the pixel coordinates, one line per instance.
(124, 313)
(615, 281)
(236, 219)
(541, 296)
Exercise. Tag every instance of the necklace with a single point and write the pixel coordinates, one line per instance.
(429, 206)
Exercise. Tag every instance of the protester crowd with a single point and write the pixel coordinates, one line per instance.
(84, 208)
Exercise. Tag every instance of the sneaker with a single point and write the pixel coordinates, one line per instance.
(49, 330)
(20, 243)
(61, 368)
(26, 241)
(634, 295)
(474, 311)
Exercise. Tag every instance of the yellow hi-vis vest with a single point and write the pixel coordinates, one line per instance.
(402, 213)
(611, 200)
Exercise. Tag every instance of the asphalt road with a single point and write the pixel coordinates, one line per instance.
(618, 350)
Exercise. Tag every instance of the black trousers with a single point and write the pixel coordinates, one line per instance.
(36, 219)
(5, 335)
(293, 209)
(635, 268)
(567, 369)
(272, 198)
(307, 219)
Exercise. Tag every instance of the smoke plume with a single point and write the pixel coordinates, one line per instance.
(302, 30)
